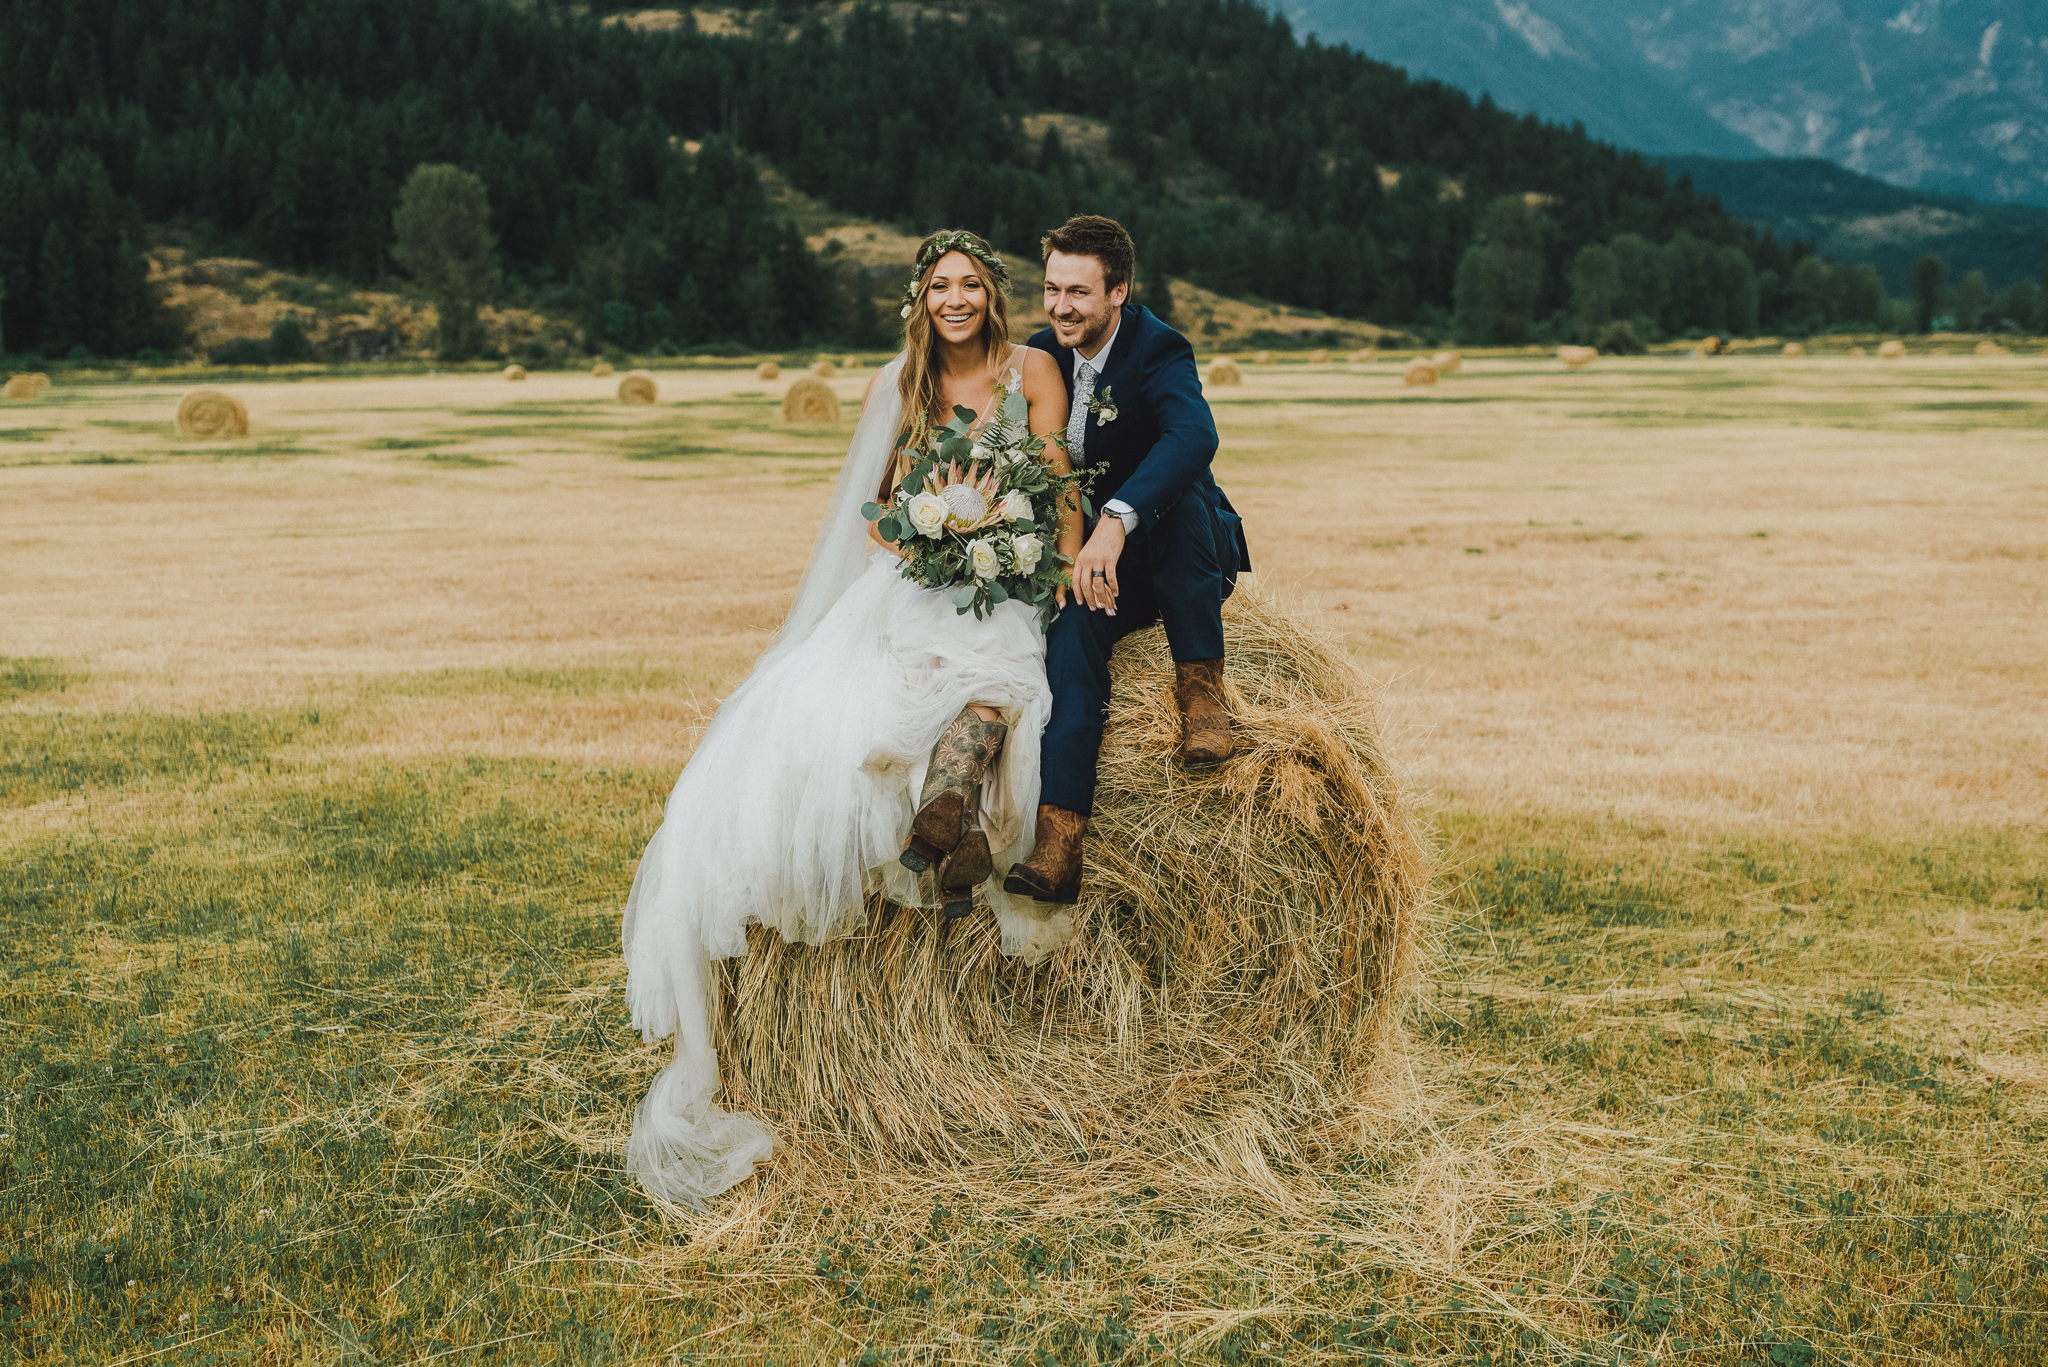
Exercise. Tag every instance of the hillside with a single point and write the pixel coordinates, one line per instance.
(1943, 96)
(620, 158)
(1850, 217)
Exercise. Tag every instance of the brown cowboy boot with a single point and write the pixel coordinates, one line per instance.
(1053, 872)
(1204, 720)
(952, 782)
(966, 868)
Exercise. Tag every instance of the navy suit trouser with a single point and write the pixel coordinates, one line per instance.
(1173, 573)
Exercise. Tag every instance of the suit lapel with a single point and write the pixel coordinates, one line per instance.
(1120, 365)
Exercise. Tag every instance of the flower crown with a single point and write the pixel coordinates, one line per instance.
(958, 241)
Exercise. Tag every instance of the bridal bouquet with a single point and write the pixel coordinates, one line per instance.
(979, 512)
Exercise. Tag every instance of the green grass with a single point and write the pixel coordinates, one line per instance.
(456, 460)
(22, 675)
(313, 1050)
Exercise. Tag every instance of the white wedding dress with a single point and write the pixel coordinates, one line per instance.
(799, 798)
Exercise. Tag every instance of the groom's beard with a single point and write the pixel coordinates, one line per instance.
(1091, 336)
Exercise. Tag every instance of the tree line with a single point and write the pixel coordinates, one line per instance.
(619, 169)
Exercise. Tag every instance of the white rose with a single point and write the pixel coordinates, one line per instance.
(1027, 549)
(927, 514)
(967, 504)
(977, 454)
(982, 555)
(1016, 506)
(906, 312)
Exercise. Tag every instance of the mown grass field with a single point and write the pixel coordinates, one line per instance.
(325, 757)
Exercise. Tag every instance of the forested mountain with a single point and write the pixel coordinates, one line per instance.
(618, 161)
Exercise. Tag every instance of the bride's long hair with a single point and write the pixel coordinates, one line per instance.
(919, 381)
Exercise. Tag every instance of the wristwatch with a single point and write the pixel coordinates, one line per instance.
(1123, 513)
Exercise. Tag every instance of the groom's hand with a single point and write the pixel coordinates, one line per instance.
(1098, 590)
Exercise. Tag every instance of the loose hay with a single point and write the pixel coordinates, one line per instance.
(1228, 1004)
(22, 387)
(810, 400)
(515, 372)
(637, 387)
(1447, 362)
(1892, 351)
(210, 413)
(601, 371)
(1419, 372)
(1223, 371)
(1578, 357)
(767, 370)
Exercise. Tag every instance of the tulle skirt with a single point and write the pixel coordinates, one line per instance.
(795, 807)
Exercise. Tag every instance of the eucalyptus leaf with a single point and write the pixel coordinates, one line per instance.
(871, 510)
(997, 593)
(889, 530)
(964, 597)
(964, 415)
(955, 448)
(1016, 408)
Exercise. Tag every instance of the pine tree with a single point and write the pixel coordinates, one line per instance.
(445, 243)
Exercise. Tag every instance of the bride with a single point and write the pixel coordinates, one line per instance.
(882, 735)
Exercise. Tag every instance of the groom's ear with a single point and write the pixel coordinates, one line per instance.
(1119, 296)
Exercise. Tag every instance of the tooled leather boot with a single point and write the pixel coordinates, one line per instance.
(962, 871)
(952, 784)
(1053, 871)
(1204, 721)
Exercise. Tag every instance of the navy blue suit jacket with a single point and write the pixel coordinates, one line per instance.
(1159, 448)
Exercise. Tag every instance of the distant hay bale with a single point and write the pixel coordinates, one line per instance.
(1262, 358)
(637, 386)
(1228, 1006)
(22, 387)
(810, 399)
(1858, 352)
(1892, 351)
(601, 371)
(1577, 357)
(1224, 371)
(767, 370)
(208, 413)
(825, 370)
(1362, 355)
(1419, 372)
(1319, 357)
(1447, 362)
(1711, 347)
(1794, 349)
(1990, 348)
(515, 372)
(850, 363)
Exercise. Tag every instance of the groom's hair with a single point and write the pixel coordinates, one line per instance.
(1099, 237)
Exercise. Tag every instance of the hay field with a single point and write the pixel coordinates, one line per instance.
(325, 755)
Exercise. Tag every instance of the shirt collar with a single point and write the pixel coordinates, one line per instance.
(1100, 361)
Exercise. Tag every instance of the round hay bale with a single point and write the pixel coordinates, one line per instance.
(1263, 358)
(1990, 348)
(767, 370)
(850, 363)
(601, 371)
(1794, 349)
(1447, 362)
(1577, 357)
(209, 413)
(515, 372)
(810, 399)
(1230, 995)
(1858, 352)
(41, 381)
(1939, 351)
(637, 387)
(1419, 372)
(1893, 350)
(1224, 371)
(1362, 356)
(1319, 357)
(1711, 347)
(825, 370)
(22, 387)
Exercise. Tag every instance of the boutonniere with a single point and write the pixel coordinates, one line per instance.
(1103, 407)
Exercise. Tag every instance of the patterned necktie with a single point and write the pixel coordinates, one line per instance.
(1077, 421)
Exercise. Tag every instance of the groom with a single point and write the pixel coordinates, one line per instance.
(1167, 548)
